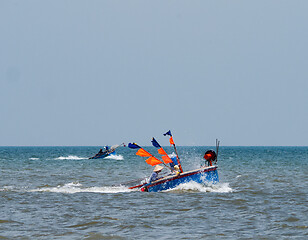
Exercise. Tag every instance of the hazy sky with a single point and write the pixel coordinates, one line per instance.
(106, 72)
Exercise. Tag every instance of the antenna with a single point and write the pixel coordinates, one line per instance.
(217, 147)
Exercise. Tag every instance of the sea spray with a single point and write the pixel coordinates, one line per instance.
(197, 187)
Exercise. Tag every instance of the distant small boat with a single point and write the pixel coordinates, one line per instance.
(106, 152)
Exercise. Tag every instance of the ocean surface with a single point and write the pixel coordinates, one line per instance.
(58, 193)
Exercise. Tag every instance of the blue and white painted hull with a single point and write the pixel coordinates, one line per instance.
(202, 175)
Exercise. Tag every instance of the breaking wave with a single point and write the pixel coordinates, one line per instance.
(77, 188)
(115, 157)
(193, 186)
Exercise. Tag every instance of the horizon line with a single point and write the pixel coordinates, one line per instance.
(152, 146)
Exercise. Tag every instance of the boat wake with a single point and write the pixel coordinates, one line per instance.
(70, 157)
(6, 188)
(115, 157)
(197, 187)
(75, 187)
(78, 188)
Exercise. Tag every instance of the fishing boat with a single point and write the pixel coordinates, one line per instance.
(202, 175)
(106, 152)
(205, 174)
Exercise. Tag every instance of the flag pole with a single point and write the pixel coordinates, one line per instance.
(176, 152)
(177, 157)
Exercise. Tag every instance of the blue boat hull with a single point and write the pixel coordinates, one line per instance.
(100, 156)
(103, 155)
(202, 175)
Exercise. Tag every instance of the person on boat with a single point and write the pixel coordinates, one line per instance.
(155, 173)
(173, 163)
(176, 170)
(100, 152)
(210, 156)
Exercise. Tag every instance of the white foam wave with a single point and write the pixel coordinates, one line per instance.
(34, 158)
(77, 188)
(115, 157)
(70, 157)
(6, 188)
(193, 186)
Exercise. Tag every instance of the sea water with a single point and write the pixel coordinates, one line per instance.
(58, 193)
